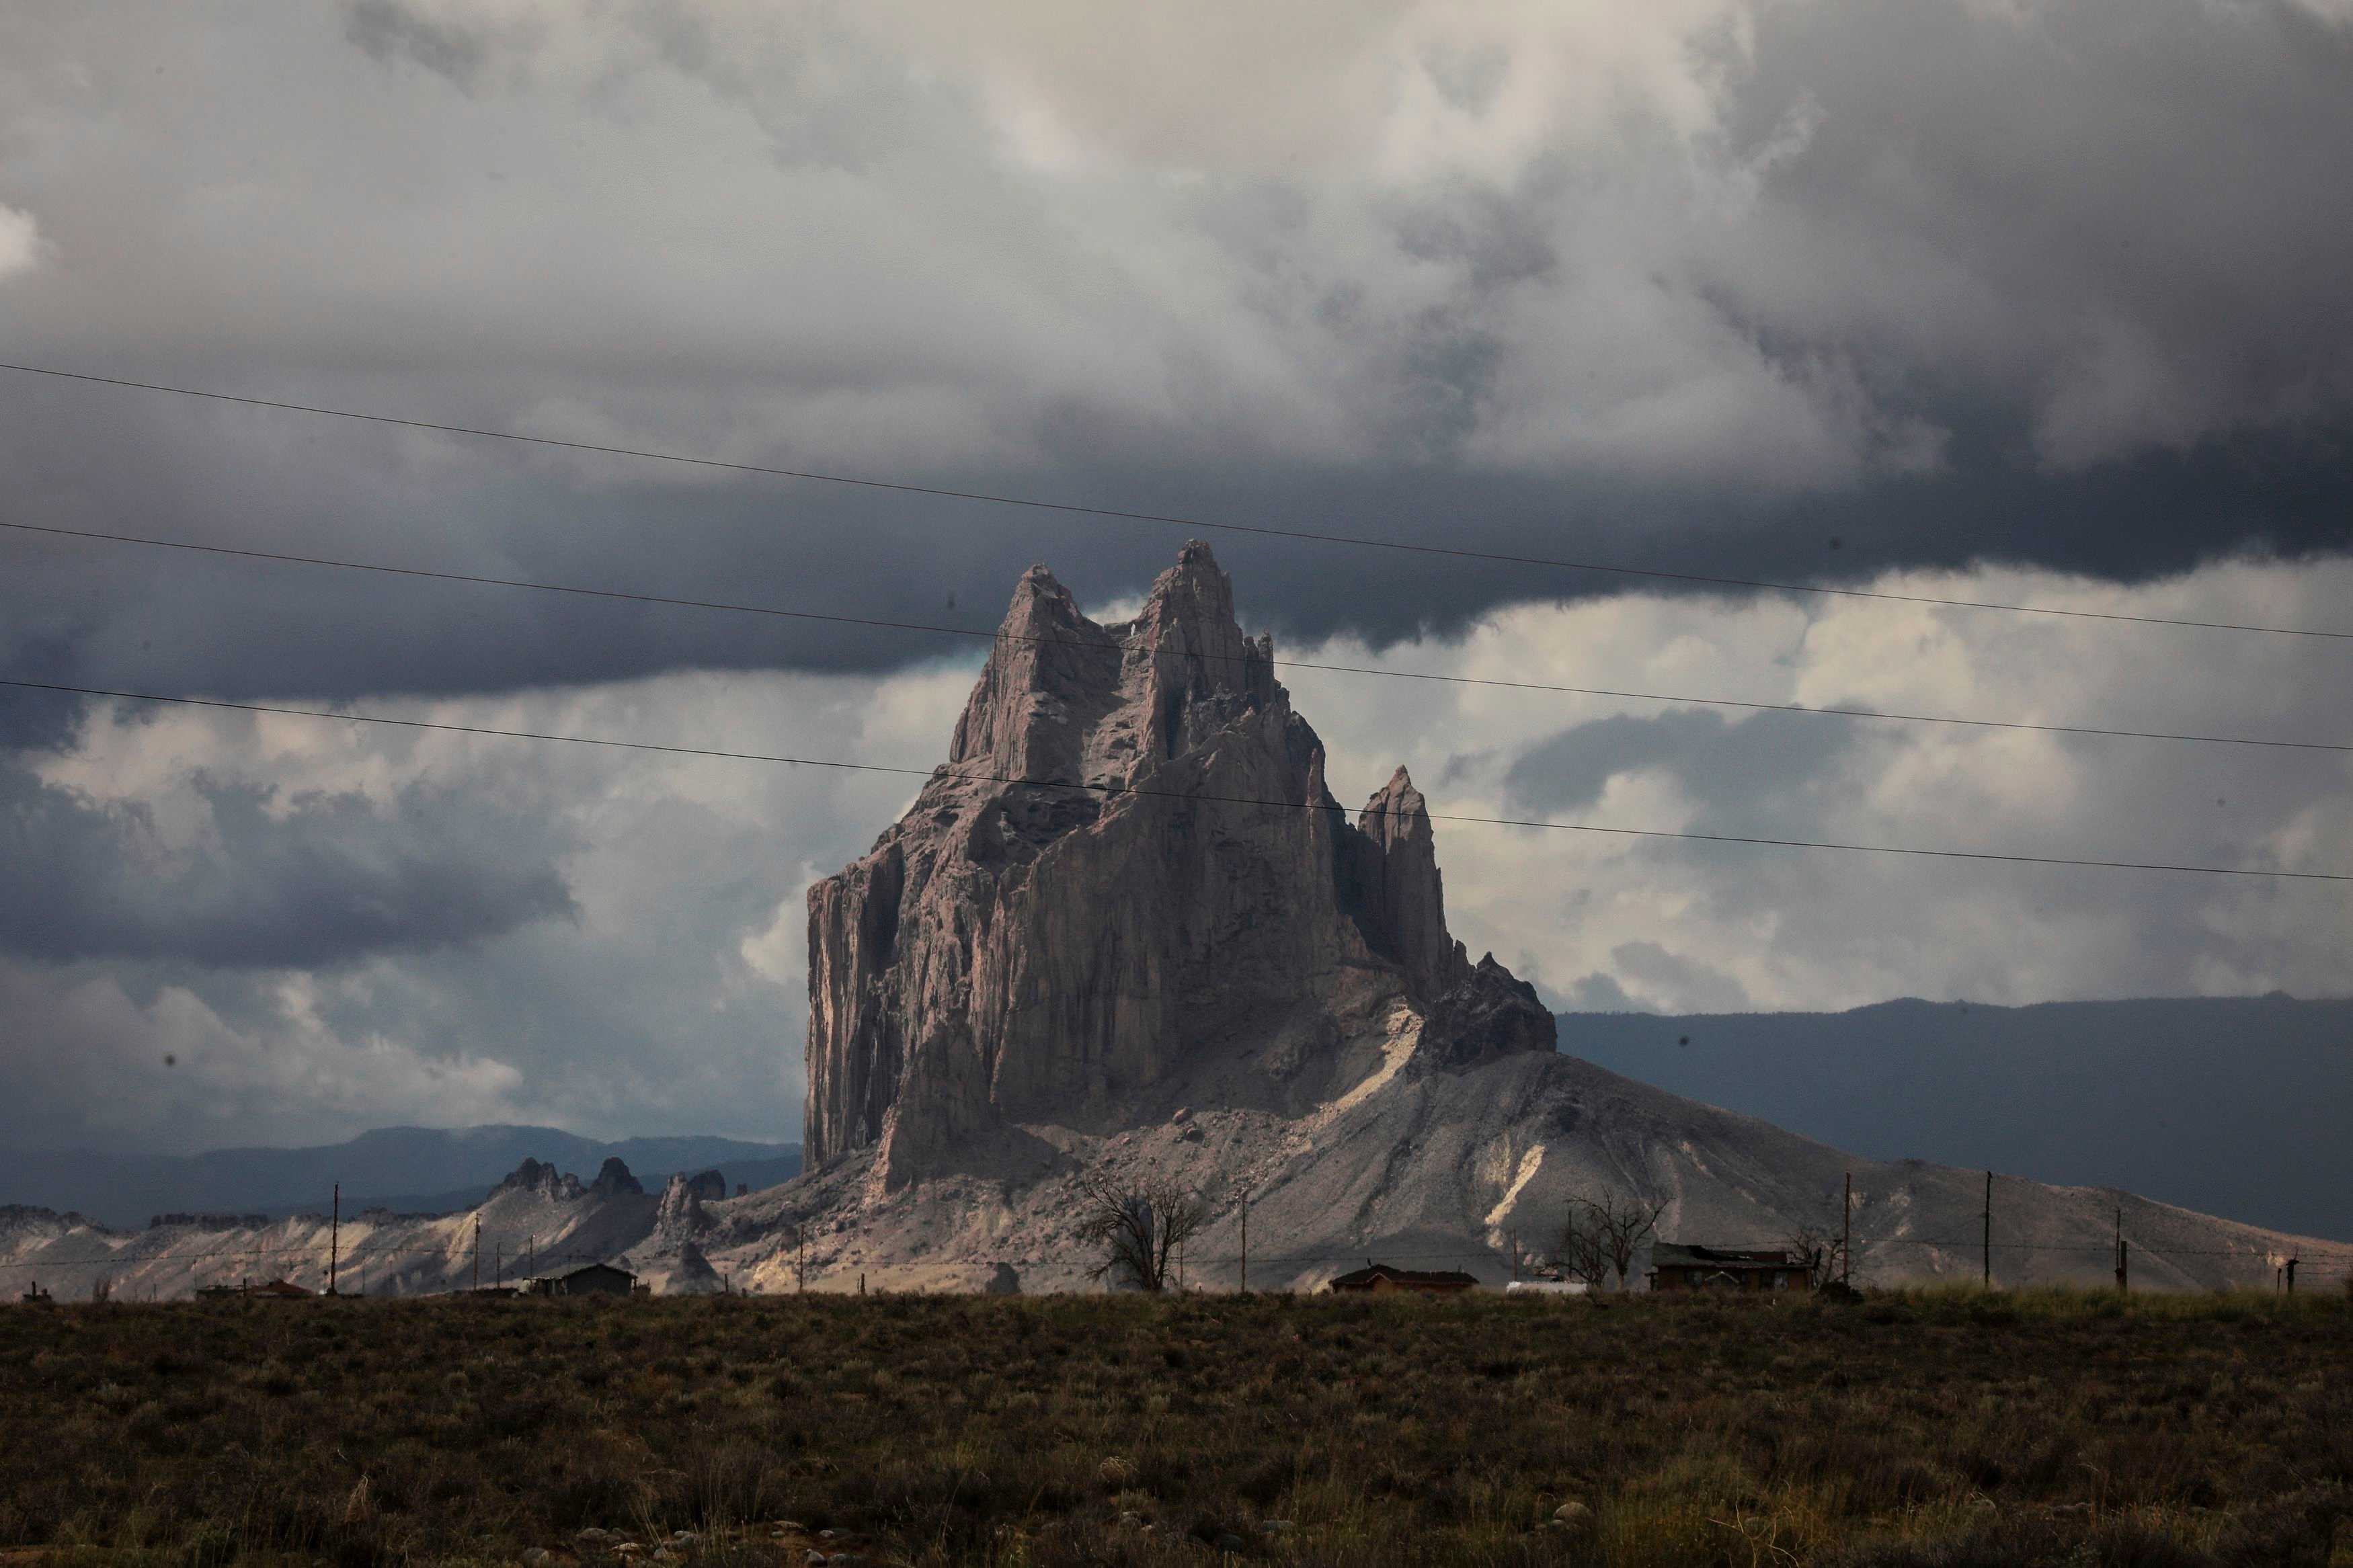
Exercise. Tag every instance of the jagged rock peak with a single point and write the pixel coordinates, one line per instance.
(542, 1178)
(1402, 897)
(614, 1179)
(1111, 889)
(682, 1211)
(1064, 699)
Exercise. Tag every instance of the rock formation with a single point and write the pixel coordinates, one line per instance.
(613, 1178)
(1129, 877)
(692, 1274)
(542, 1178)
(681, 1212)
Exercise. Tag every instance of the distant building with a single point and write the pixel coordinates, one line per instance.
(1381, 1277)
(588, 1279)
(1547, 1288)
(1676, 1266)
(276, 1290)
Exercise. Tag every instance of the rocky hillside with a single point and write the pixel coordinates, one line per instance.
(539, 1219)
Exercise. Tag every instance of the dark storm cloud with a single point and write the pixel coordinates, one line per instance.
(121, 615)
(2122, 222)
(1758, 768)
(317, 880)
(389, 32)
(2053, 288)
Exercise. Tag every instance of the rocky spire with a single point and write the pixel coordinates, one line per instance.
(1086, 910)
(613, 1179)
(1400, 896)
(681, 1212)
(1051, 671)
(544, 1179)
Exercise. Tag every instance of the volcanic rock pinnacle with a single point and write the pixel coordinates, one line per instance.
(1129, 879)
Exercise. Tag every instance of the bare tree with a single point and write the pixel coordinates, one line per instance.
(1821, 1248)
(1579, 1253)
(1139, 1224)
(1602, 1235)
(102, 1287)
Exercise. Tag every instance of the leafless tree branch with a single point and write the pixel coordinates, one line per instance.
(1140, 1225)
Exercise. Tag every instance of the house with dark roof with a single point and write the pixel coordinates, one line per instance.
(1681, 1266)
(1382, 1277)
(588, 1279)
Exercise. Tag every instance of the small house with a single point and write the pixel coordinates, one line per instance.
(1678, 1267)
(1382, 1277)
(588, 1279)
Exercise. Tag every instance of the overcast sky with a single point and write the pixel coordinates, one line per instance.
(1979, 298)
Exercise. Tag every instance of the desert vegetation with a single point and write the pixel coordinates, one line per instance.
(1930, 1429)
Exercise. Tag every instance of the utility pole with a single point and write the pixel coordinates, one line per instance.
(800, 1270)
(498, 1263)
(335, 1239)
(478, 1252)
(2124, 1275)
(1246, 1198)
(1989, 1231)
(1846, 1238)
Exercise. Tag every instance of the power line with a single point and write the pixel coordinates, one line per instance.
(943, 772)
(1075, 509)
(1003, 636)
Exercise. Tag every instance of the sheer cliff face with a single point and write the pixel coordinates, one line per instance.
(1112, 888)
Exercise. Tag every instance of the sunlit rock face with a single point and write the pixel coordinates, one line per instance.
(1129, 883)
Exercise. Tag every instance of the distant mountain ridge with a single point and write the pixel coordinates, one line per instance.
(2233, 1106)
(406, 1168)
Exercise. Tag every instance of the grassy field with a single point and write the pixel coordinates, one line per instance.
(1948, 1429)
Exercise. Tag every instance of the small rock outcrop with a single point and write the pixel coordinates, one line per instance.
(1128, 876)
(541, 1179)
(681, 1212)
(613, 1180)
(694, 1275)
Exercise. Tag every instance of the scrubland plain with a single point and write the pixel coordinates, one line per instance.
(1950, 1429)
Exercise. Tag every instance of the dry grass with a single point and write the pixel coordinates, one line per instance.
(1949, 1429)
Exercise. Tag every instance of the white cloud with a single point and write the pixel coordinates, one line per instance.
(1787, 929)
(20, 241)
